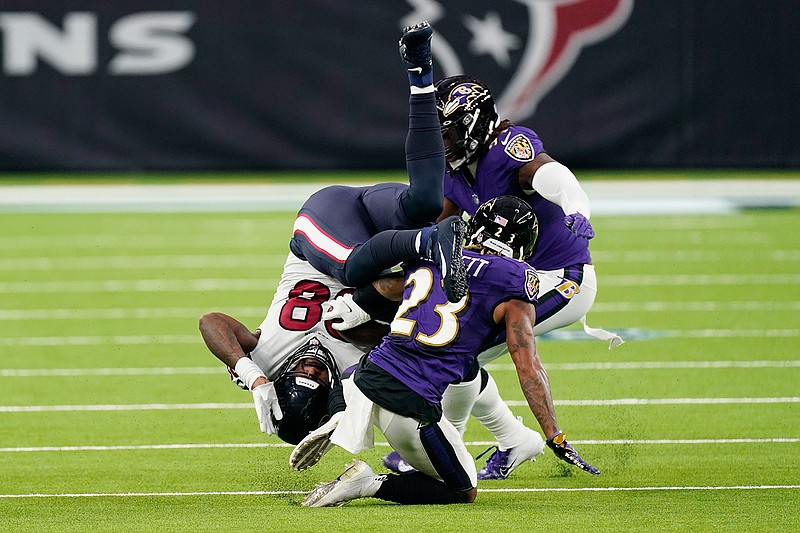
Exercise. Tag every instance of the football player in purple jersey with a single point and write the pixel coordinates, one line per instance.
(489, 157)
(399, 386)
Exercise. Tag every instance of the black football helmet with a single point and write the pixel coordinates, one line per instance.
(506, 226)
(467, 116)
(304, 398)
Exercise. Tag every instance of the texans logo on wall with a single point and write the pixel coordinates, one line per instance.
(531, 47)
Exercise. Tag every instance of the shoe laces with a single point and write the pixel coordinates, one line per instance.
(498, 458)
(419, 55)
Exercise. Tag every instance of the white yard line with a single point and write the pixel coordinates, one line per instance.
(123, 313)
(613, 442)
(641, 255)
(640, 334)
(122, 407)
(109, 243)
(146, 313)
(139, 285)
(250, 197)
(632, 365)
(137, 340)
(639, 489)
(146, 447)
(291, 492)
(676, 280)
(652, 365)
(73, 372)
(512, 403)
(138, 262)
(199, 261)
(244, 284)
(120, 340)
(665, 401)
(684, 306)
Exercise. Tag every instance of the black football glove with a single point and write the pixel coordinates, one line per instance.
(567, 453)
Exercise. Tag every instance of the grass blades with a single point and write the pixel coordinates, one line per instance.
(114, 416)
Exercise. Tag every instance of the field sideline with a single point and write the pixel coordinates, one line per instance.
(114, 417)
(609, 197)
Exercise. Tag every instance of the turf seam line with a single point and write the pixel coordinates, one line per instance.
(634, 365)
(291, 492)
(247, 284)
(636, 334)
(146, 313)
(614, 442)
(510, 403)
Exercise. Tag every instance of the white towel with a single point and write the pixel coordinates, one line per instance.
(613, 339)
(355, 432)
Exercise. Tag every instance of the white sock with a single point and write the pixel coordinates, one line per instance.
(422, 90)
(494, 414)
(458, 401)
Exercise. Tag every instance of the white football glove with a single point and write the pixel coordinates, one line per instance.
(266, 401)
(345, 309)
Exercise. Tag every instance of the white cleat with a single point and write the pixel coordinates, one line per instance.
(310, 450)
(357, 481)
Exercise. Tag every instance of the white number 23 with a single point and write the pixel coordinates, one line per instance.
(422, 281)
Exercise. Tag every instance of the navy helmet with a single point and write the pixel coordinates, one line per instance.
(303, 398)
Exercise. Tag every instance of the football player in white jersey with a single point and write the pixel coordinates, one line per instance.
(344, 237)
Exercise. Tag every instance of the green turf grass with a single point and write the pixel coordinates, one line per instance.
(124, 291)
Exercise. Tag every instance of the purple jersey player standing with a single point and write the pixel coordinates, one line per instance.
(399, 385)
(488, 157)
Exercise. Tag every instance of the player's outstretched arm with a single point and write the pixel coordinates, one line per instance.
(227, 338)
(230, 341)
(520, 318)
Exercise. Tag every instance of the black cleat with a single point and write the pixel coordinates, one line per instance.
(415, 49)
(444, 249)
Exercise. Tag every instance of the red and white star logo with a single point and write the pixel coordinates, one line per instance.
(531, 44)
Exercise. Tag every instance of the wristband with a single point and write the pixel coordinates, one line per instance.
(336, 402)
(557, 438)
(248, 371)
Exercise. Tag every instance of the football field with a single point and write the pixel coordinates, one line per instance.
(115, 417)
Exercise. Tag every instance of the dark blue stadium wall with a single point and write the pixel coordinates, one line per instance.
(98, 85)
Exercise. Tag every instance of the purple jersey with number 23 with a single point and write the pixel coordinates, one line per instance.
(434, 342)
